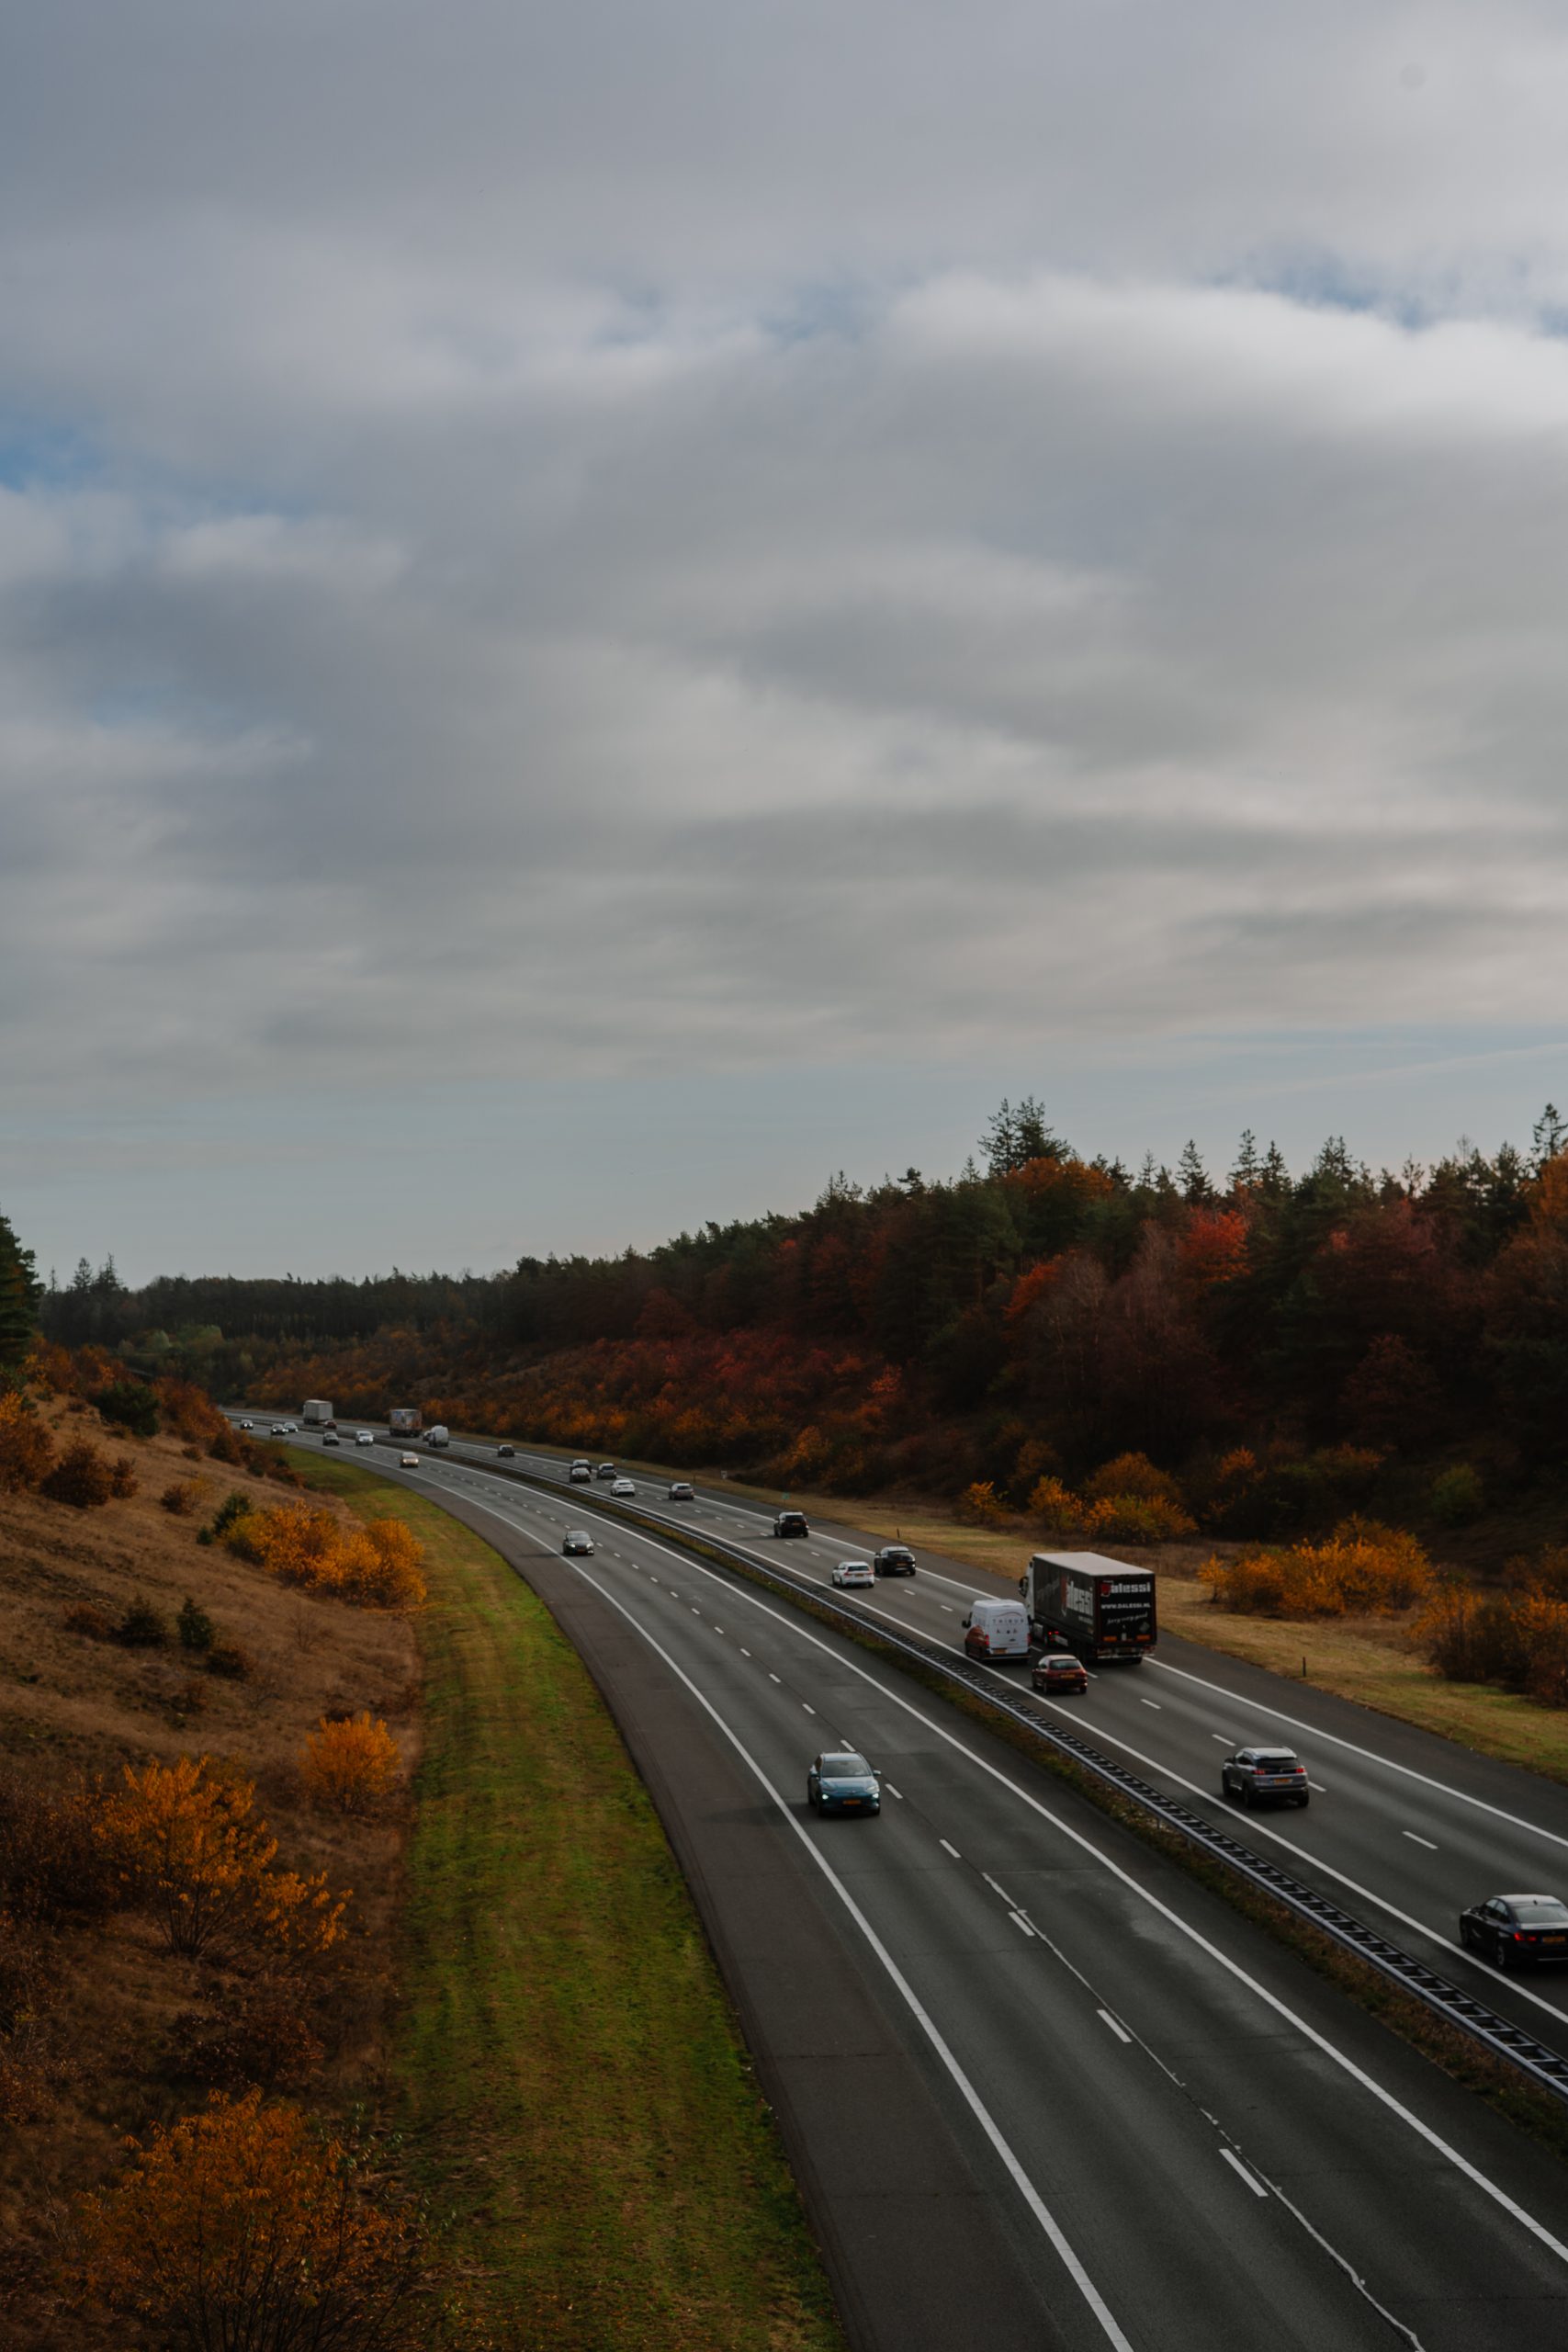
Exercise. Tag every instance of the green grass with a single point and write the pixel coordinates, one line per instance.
(574, 2083)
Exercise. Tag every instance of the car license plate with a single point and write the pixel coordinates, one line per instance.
(1552, 1940)
(848, 1803)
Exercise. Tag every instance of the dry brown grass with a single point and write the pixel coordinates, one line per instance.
(71, 1705)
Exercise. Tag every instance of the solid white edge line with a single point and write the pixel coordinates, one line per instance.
(1387, 2098)
(1427, 1780)
(1237, 2166)
(1261, 1829)
(926, 2024)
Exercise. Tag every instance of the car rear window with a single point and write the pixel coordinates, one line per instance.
(1540, 1910)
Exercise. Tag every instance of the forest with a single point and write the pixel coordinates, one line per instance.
(1287, 1346)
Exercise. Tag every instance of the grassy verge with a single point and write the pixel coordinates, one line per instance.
(574, 2084)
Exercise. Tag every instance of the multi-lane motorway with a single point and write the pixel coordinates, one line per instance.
(1041, 2087)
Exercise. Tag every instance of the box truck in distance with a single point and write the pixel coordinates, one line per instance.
(316, 1413)
(405, 1422)
(1082, 1601)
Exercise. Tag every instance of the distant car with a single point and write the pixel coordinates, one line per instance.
(606, 1470)
(408, 1462)
(843, 1783)
(681, 1493)
(577, 1539)
(580, 1473)
(791, 1522)
(622, 1486)
(365, 1436)
(893, 1560)
(247, 1425)
(1059, 1670)
(329, 1425)
(1265, 1776)
(1516, 1930)
(291, 1429)
(278, 1429)
(329, 1437)
(505, 1452)
(849, 1573)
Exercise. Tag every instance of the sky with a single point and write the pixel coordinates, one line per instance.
(606, 611)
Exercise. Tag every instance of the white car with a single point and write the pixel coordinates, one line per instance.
(853, 1571)
(329, 1437)
(408, 1462)
(365, 1436)
(622, 1486)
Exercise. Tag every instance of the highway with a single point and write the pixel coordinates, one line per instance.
(1169, 2132)
(1405, 1828)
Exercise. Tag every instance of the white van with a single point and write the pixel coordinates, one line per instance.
(994, 1630)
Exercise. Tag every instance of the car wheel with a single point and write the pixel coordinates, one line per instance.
(1249, 1796)
(1500, 1954)
(1466, 1934)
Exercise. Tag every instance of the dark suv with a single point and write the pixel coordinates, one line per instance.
(1264, 1775)
(893, 1560)
(791, 1522)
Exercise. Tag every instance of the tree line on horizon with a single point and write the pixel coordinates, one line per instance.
(1039, 1311)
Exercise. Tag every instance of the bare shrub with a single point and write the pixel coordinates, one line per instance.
(257, 2034)
(52, 1864)
(181, 1496)
(90, 1622)
(81, 1477)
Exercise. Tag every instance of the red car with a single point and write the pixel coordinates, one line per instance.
(1059, 1670)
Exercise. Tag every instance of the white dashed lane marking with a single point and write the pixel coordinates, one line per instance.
(1237, 2166)
(949, 1849)
(1419, 1841)
(1118, 2030)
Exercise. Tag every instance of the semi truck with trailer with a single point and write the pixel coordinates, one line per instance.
(316, 1413)
(1100, 1608)
(405, 1422)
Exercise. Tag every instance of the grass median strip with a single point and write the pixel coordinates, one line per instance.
(574, 2083)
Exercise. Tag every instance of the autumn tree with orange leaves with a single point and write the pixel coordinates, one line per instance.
(190, 1851)
(244, 2230)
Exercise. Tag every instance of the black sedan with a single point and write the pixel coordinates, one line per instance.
(1516, 1930)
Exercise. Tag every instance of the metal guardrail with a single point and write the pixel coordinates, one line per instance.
(1539, 2064)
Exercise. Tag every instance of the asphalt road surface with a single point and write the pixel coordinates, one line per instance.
(1405, 1828)
(1039, 2087)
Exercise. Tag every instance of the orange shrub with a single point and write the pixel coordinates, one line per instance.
(1132, 1473)
(350, 1766)
(1363, 1567)
(980, 1505)
(380, 1565)
(27, 1450)
(242, 2226)
(377, 1566)
(188, 1847)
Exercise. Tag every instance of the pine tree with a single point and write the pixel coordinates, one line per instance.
(19, 1298)
(1194, 1177)
(1248, 1169)
(1548, 1135)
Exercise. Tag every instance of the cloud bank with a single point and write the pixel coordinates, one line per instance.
(603, 539)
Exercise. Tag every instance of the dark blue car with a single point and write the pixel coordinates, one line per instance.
(842, 1781)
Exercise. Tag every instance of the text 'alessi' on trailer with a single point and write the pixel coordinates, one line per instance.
(1083, 1601)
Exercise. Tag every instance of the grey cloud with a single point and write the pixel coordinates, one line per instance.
(591, 542)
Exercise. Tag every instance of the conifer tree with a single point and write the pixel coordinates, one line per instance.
(19, 1298)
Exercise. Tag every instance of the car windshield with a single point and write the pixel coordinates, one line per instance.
(844, 1768)
(1540, 1910)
